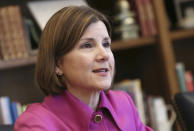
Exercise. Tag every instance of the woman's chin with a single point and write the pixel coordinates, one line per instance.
(104, 86)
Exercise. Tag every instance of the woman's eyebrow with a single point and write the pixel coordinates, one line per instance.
(107, 39)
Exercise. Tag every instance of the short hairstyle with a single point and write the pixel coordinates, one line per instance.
(61, 33)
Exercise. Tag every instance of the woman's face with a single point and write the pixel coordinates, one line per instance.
(90, 64)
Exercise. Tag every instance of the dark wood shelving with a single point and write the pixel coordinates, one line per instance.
(181, 34)
(125, 44)
(116, 45)
(17, 63)
(144, 41)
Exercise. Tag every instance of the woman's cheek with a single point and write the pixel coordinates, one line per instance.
(112, 65)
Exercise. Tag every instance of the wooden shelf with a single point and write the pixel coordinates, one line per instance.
(144, 41)
(17, 63)
(116, 45)
(181, 34)
(125, 44)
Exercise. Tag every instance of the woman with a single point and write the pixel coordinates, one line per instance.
(75, 69)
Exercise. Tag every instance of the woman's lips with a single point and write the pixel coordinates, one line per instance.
(101, 71)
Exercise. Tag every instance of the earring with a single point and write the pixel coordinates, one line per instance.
(58, 73)
(59, 76)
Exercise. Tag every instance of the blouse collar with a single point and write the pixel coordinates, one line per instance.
(70, 109)
(105, 103)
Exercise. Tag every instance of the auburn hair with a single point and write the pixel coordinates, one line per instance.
(63, 30)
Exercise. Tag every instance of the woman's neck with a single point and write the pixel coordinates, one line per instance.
(89, 97)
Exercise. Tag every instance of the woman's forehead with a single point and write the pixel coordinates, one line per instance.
(97, 29)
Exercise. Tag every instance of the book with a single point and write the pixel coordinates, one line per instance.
(6, 46)
(1, 55)
(180, 70)
(14, 111)
(12, 37)
(189, 81)
(18, 35)
(141, 17)
(19, 107)
(133, 88)
(5, 111)
(12, 31)
(9, 110)
(43, 10)
(150, 17)
(1, 35)
(32, 37)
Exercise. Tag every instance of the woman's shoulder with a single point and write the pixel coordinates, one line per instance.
(36, 109)
(29, 117)
(36, 116)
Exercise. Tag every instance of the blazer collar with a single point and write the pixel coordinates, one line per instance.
(70, 109)
(105, 103)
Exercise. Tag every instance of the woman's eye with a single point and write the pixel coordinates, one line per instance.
(86, 45)
(106, 44)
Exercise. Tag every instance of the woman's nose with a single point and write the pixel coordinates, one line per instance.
(102, 54)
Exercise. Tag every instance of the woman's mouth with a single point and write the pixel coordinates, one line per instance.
(100, 70)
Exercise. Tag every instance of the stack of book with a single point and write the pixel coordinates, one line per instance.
(13, 42)
(145, 16)
(153, 111)
(185, 78)
(9, 111)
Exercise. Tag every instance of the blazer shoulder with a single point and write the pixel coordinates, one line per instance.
(30, 119)
(37, 117)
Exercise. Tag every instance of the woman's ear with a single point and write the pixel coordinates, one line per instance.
(58, 71)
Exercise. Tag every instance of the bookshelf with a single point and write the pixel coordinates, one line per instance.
(145, 41)
(164, 42)
(17, 63)
(116, 46)
(152, 59)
